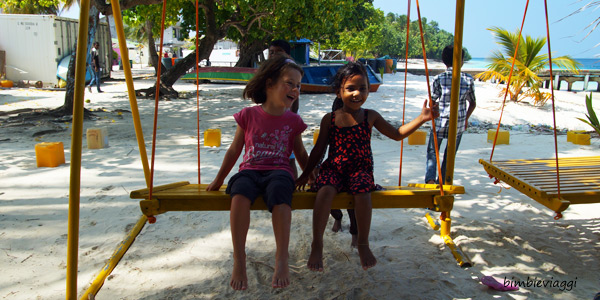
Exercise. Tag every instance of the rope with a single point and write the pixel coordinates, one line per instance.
(435, 140)
(156, 98)
(198, 88)
(558, 214)
(404, 101)
(508, 81)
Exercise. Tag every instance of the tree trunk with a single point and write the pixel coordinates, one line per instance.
(153, 58)
(67, 107)
(249, 52)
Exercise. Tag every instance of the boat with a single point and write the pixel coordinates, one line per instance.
(227, 74)
(317, 79)
(63, 68)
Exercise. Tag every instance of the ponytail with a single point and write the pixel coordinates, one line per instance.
(337, 104)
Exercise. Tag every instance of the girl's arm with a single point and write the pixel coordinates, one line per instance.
(231, 156)
(316, 153)
(300, 151)
(427, 114)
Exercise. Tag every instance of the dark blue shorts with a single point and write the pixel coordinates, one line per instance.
(275, 186)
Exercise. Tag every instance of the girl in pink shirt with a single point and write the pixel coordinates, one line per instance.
(268, 132)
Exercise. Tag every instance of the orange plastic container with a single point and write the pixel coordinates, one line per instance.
(418, 137)
(582, 139)
(97, 138)
(503, 136)
(316, 136)
(6, 83)
(571, 135)
(212, 137)
(49, 154)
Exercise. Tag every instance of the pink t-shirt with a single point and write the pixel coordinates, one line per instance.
(269, 140)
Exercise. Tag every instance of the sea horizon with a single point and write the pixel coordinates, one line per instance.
(482, 62)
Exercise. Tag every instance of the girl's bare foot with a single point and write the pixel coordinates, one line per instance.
(239, 280)
(367, 259)
(354, 242)
(281, 276)
(337, 226)
(315, 260)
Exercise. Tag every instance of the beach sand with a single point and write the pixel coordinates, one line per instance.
(187, 255)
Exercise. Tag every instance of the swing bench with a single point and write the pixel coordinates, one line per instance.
(555, 183)
(183, 196)
(579, 179)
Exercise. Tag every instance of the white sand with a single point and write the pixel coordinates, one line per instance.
(187, 255)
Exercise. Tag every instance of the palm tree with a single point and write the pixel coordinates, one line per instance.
(529, 63)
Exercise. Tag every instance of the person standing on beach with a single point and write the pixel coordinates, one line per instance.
(349, 165)
(441, 87)
(268, 132)
(95, 68)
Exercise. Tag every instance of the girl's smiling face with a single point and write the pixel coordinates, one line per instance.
(287, 89)
(354, 91)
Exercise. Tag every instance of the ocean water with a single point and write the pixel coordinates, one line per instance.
(481, 63)
(586, 64)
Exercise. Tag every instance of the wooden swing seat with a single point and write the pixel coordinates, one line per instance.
(183, 196)
(536, 178)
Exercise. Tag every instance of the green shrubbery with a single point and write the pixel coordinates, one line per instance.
(591, 115)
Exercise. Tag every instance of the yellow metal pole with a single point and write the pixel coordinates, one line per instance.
(114, 259)
(446, 221)
(116, 8)
(432, 222)
(76, 138)
(458, 254)
(455, 92)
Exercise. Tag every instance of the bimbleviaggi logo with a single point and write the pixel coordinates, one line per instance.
(535, 282)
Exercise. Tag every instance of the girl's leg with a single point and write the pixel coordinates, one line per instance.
(239, 219)
(320, 216)
(337, 216)
(363, 209)
(282, 220)
(353, 229)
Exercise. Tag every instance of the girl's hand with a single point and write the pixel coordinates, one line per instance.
(214, 186)
(428, 114)
(301, 182)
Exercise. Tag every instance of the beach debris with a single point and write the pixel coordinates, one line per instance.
(495, 284)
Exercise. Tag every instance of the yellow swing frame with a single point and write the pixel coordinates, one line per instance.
(183, 196)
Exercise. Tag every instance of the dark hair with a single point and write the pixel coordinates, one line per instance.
(447, 55)
(285, 46)
(269, 71)
(348, 70)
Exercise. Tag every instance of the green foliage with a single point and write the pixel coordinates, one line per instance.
(360, 42)
(394, 38)
(136, 18)
(525, 82)
(30, 6)
(591, 115)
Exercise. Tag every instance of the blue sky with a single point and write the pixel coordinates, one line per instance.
(566, 36)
